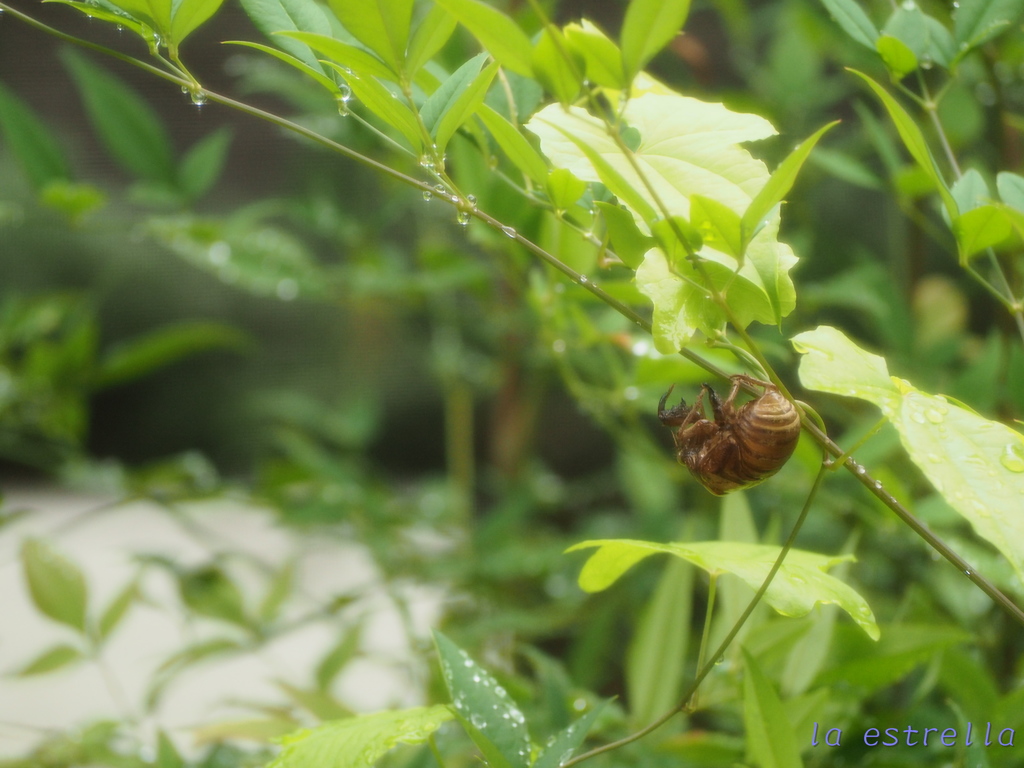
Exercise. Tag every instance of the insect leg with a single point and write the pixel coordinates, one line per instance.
(675, 416)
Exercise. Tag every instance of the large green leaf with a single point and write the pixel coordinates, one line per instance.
(686, 147)
(976, 464)
(358, 742)
(57, 586)
(799, 585)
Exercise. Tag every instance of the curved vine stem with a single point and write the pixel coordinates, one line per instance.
(463, 205)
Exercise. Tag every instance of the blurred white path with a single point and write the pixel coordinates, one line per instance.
(102, 541)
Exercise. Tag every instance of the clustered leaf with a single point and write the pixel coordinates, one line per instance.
(687, 148)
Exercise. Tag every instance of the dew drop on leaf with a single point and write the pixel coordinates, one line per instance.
(1013, 457)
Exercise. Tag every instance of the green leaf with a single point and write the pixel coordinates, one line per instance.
(778, 186)
(157, 349)
(979, 229)
(188, 16)
(341, 654)
(677, 239)
(156, 14)
(202, 164)
(771, 742)
(57, 586)
(648, 27)
(259, 729)
(430, 36)
(73, 200)
(210, 592)
(940, 49)
(52, 659)
(629, 243)
(501, 36)
(970, 191)
(609, 175)
(1011, 189)
(358, 742)
(976, 464)
(94, 11)
(761, 291)
(131, 132)
(656, 657)
(244, 252)
(167, 755)
(316, 74)
(117, 609)
(380, 25)
(443, 99)
(602, 59)
(485, 710)
(564, 189)
(977, 21)
(833, 363)
(362, 63)
(799, 585)
(718, 225)
(321, 704)
(560, 77)
(33, 145)
(562, 746)
(383, 103)
(898, 58)
(686, 147)
(854, 22)
(280, 588)
(272, 16)
(514, 145)
(869, 667)
(914, 141)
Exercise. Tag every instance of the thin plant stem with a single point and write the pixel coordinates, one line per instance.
(705, 670)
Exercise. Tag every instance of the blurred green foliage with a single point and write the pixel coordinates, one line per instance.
(373, 370)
